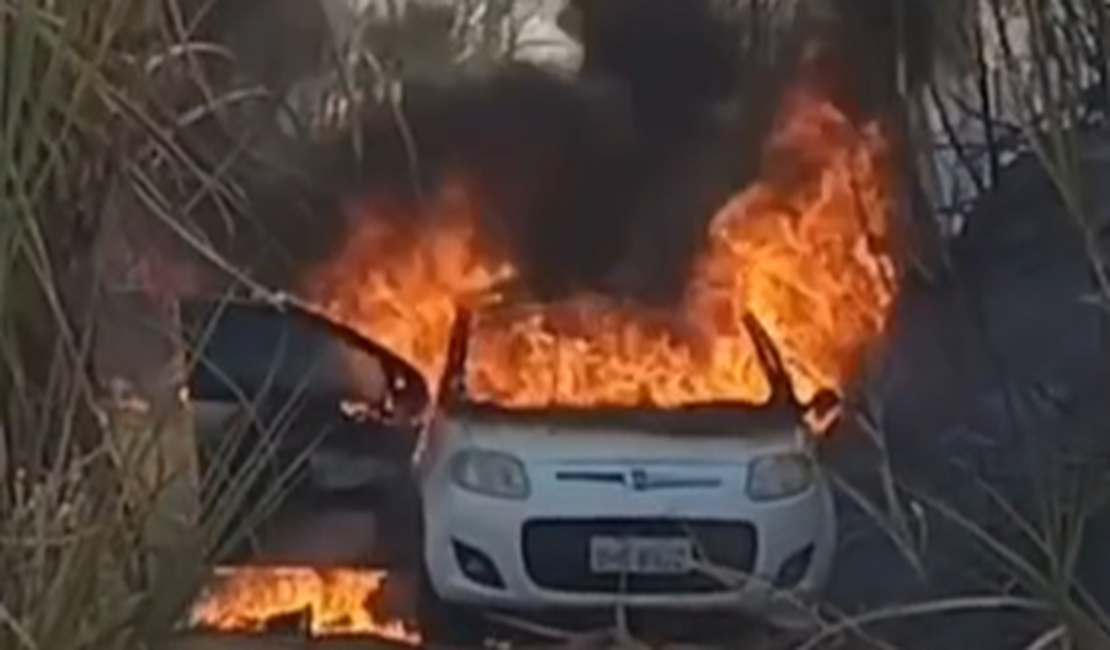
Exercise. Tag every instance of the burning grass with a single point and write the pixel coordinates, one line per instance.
(333, 602)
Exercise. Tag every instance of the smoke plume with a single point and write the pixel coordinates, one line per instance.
(602, 182)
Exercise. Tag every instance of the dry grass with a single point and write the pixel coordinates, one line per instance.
(99, 544)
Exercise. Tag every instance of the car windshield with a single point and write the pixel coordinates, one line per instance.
(244, 350)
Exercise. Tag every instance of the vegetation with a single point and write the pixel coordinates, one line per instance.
(1028, 82)
(91, 544)
(93, 121)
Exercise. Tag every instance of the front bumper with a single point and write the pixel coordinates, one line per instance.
(523, 555)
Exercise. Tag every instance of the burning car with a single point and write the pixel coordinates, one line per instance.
(703, 506)
(661, 432)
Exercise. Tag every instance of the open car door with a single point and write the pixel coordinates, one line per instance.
(298, 412)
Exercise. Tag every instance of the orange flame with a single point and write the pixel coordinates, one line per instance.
(805, 249)
(338, 601)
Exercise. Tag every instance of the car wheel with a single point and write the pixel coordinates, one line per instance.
(445, 624)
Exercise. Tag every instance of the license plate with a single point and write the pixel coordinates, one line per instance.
(640, 555)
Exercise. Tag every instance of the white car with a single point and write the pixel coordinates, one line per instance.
(536, 512)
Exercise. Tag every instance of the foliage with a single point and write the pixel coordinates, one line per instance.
(1030, 80)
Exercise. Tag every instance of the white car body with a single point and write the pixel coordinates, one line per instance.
(624, 484)
(706, 507)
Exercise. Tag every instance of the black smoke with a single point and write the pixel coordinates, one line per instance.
(602, 182)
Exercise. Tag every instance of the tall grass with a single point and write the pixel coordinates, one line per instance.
(1031, 81)
(99, 546)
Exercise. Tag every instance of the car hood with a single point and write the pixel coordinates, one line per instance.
(558, 444)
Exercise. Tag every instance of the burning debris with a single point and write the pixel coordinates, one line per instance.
(320, 602)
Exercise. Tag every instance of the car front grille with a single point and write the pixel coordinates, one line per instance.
(556, 554)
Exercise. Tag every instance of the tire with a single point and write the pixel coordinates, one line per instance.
(444, 624)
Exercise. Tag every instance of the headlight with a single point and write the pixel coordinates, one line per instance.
(491, 473)
(779, 477)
